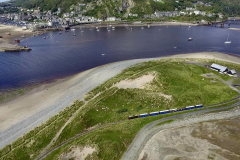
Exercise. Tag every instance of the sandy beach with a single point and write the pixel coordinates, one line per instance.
(7, 42)
(24, 113)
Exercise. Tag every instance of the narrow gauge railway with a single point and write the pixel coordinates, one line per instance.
(165, 111)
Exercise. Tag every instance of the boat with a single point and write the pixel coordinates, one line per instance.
(148, 26)
(82, 31)
(227, 42)
(60, 32)
(190, 39)
(17, 40)
(98, 30)
(23, 36)
(113, 27)
(108, 30)
(47, 36)
(74, 34)
(142, 27)
(44, 37)
(73, 29)
(51, 35)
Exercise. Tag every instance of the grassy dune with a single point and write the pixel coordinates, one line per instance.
(171, 78)
(179, 80)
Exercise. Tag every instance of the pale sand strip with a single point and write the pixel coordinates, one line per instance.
(30, 110)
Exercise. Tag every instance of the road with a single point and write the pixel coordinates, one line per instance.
(142, 138)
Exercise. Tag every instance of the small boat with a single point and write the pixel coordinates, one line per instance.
(33, 34)
(60, 32)
(98, 30)
(47, 36)
(44, 37)
(17, 40)
(108, 30)
(190, 39)
(23, 36)
(74, 34)
(51, 35)
(73, 29)
(148, 26)
(142, 27)
(82, 31)
(227, 42)
(113, 27)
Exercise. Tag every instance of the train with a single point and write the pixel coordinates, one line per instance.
(164, 112)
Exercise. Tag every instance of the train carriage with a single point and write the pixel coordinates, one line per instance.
(153, 113)
(199, 106)
(143, 115)
(190, 107)
(164, 112)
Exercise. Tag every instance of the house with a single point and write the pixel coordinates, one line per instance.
(232, 72)
(203, 13)
(111, 19)
(189, 8)
(220, 15)
(219, 68)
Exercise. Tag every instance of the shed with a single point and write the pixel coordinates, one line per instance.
(219, 68)
(232, 72)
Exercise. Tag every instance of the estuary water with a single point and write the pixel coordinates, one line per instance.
(62, 55)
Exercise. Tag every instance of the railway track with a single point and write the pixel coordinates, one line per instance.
(45, 154)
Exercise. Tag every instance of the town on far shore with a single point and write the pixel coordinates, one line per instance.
(34, 19)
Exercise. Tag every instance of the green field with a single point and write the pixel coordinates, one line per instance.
(180, 81)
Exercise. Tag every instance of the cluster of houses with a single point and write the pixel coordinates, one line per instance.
(76, 15)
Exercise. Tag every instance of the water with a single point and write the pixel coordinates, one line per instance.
(64, 54)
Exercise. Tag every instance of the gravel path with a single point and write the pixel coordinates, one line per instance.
(148, 131)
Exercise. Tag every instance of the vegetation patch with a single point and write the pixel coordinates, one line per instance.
(31, 144)
(180, 80)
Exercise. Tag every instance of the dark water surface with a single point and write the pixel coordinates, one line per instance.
(64, 54)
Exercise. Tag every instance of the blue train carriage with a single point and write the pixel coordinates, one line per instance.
(199, 106)
(143, 115)
(164, 112)
(173, 110)
(153, 113)
(132, 117)
(190, 107)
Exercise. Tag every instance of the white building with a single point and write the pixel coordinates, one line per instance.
(111, 19)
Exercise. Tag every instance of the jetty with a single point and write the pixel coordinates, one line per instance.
(17, 49)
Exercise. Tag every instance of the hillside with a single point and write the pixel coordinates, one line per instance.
(121, 8)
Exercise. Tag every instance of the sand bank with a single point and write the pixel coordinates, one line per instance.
(7, 42)
(22, 114)
(185, 139)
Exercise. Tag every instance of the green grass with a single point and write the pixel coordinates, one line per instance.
(112, 141)
(165, 122)
(225, 104)
(171, 78)
(30, 145)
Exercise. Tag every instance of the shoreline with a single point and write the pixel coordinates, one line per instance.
(7, 41)
(36, 106)
(132, 24)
